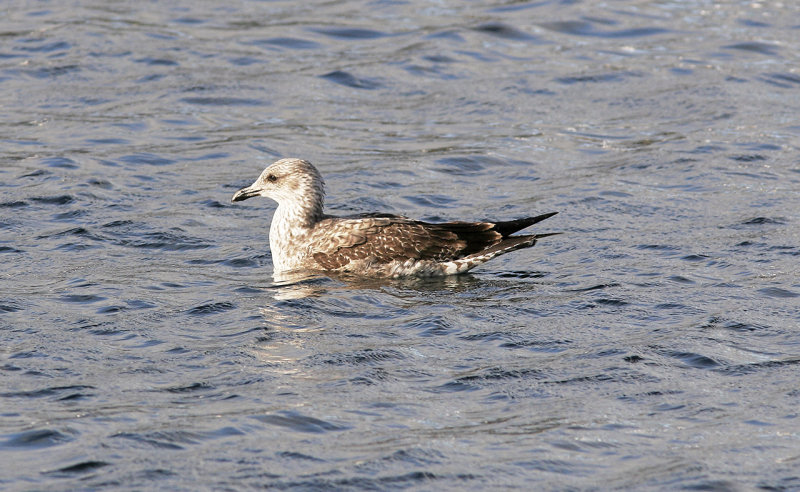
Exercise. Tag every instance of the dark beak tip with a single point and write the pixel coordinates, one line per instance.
(242, 194)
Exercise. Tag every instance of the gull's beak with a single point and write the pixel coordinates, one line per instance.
(244, 194)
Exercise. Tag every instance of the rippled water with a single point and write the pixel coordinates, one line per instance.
(655, 344)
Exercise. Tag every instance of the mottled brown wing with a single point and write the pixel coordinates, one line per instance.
(383, 239)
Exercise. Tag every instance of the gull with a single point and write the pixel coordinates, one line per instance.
(302, 237)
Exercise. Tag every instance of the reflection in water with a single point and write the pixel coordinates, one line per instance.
(298, 284)
(299, 327)
(303, 284)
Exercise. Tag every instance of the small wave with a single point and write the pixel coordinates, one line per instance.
(167, 241)
(60, 162)
(211, 308)
(351, 33)
(35, 439)
(286, 42)
(584, 28)
(53, 200)
(157, 62)
(349, 80)
(146, 158)
(754, 47)
(47, 47)
(504, 31)
(300, 423)
(223, 101)
(79, 468)
(779, 293)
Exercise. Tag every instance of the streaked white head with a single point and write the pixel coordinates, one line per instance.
(294, 183)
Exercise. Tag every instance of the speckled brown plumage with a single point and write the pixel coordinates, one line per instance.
(302, 237)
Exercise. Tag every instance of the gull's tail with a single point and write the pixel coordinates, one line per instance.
(507, 244)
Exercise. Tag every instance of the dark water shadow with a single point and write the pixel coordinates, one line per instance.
(588, 29)
(504, 31)
(349, 80)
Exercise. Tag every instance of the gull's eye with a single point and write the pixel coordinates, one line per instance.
(272, 178)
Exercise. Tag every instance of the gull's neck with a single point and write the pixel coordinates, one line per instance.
(292, 223)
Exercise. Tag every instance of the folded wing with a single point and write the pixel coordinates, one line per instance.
(383, 238)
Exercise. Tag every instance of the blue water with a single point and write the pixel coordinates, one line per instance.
(654, 345)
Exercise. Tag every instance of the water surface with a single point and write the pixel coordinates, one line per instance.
(654, 345)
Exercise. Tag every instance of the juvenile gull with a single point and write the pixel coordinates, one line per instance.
(302, 237)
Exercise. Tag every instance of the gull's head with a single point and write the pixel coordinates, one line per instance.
(287, 181)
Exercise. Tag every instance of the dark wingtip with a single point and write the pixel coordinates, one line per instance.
(539, 236)
(512, 226)
(546, 216)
